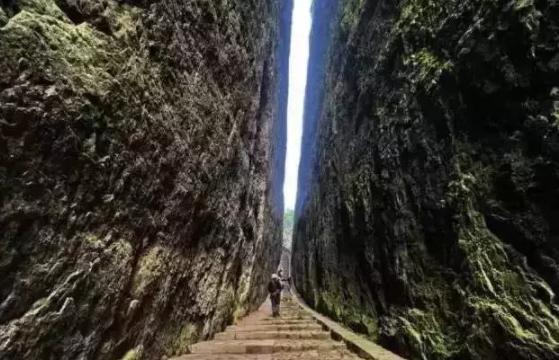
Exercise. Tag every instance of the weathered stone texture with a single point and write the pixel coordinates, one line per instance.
(140, 207)
(428, 216)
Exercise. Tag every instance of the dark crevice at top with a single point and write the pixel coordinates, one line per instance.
(10, 8)
(91, 12)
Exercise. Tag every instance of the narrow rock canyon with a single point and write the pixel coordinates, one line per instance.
(428, 201)
(142, 154)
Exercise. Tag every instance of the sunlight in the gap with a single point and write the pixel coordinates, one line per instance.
(300, 31)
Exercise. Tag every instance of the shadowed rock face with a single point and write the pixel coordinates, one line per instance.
(430, 217)
(140, 207)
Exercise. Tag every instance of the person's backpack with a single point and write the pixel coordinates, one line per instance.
(272, 286)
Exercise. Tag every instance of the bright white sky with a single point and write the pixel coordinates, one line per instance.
(300, 31)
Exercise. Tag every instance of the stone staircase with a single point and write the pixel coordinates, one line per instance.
(259, 336)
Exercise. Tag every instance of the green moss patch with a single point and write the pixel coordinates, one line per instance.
(177, 341)
(354, 316)
(150, 268)
(427, 68)
(134, 354)
(78, 55)
(350, 14)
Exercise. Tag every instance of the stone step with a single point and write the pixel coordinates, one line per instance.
(271, 327)
(283, 309)
(284, 315)
(290, 308)
(262, 346)
(254, 335)
(280, 321)
(287, 318)
(224, 357)
(293, 311)
(295, 355)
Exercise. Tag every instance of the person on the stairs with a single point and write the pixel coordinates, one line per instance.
(286, 280)
(274, 288)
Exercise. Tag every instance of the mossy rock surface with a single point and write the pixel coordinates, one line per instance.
(430, 192)
(140, 196)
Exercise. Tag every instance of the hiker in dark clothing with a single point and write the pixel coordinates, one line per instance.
(286, 280)
(274, 288)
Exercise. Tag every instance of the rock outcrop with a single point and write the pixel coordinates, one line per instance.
(429, 197)
(141, 160)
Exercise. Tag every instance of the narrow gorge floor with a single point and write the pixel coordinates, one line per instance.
(259, 336)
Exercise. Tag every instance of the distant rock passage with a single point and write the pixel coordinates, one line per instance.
(141, 155)
(428, 206)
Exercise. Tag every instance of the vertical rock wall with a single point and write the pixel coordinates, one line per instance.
(141, 160)
(429, 218)
(323, 20)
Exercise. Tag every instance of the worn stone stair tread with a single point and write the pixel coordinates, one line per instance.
(280, 321)
(316, 355)
(295, 355)
(272, 334)
(262, 346)
(293, 313)
(224, 357)
(288, 318)
(273, 327)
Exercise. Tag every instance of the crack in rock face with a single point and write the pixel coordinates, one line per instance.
(428, 206)
(140, 145)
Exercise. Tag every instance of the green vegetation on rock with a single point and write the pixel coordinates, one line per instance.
(350, 14)
(134, 354)
(150, 268)
(178, 343)
(427, 68)
(130, 173)
(431, 204)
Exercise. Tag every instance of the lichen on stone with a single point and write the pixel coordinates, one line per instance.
(433, 173)
(427, 68)
(130, 136)
(74, 53)
(421, 18)
(150, 267)
(134, 354)
(350, 14)
(120, 250)
(178, 343)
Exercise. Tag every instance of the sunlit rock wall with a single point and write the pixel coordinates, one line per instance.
(429, 219)
(141, 158)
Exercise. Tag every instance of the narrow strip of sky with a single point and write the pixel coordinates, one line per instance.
(298, 60)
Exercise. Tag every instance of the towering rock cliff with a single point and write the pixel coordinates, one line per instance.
(322, 22)
(141, 158)
(428, 217)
